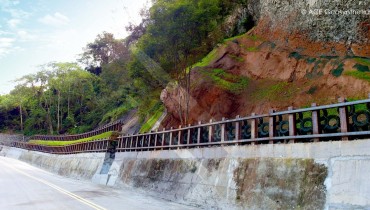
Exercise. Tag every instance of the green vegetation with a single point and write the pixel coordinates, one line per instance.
(227, 81)
(251, 37)
(152, 120)
(359, 75)
(338, 71)
(310, 60)
(295, 55)
(254, 37)
(312, 90)
(315, 73)
(105, 135)
(363, 61)
(362, 72)
(275, 91)
(234, 38)
(358, 106)
(361, 68)
(207, 60)
(236, 58)
(252, 49)
(329, 57)
(116, 113)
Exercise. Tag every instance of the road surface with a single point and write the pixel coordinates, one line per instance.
(23, 186)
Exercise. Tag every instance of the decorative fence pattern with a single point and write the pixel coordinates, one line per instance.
(341, 121)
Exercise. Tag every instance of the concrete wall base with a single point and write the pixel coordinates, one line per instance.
(323, 175)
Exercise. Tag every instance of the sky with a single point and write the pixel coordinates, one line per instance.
(36, 32)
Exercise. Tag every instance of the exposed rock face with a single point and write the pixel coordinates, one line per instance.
(333, 27)
(174, 100)
(297, 54)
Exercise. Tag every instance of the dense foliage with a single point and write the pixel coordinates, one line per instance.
(119, 75)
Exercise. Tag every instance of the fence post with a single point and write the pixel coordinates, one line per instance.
(171, 136)
(272, 127)
(254, 128)
(237, 129)
(179, 142)
(189, 138)
(150, 139)
(292, 124)
(136, 142)
(315, 122)
(343, 115)
(124, 143)
(155, 139)
(199, 131)
(210, 132)
(163, 136)
(131, 141)
(223, 131)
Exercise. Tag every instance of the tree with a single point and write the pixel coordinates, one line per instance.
(176, 37)
(104, 50)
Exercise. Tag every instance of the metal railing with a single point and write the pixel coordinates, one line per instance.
(115, 126)
(100, 145)
(342, 121)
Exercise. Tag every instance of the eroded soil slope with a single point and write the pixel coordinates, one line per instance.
(252, 74)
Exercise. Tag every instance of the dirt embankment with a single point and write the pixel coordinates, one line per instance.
(287, 59)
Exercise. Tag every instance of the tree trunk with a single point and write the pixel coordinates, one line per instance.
(20, 111)
(58, 113)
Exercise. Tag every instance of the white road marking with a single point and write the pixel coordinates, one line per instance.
(61, 190)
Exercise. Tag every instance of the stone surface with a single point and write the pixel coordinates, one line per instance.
(324, 175)
(318, 21)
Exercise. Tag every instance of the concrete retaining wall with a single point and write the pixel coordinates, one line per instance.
(80, 166)
(324, 175)
(6, 139)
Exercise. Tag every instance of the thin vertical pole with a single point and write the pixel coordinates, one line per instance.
(272, 127)
(292, 124)
(315, 122)
(223, 131)
(210, 132)
(254, 128)
(343, 115)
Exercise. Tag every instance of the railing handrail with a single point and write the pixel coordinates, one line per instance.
(108, 127)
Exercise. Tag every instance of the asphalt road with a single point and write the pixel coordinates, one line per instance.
(23, 186)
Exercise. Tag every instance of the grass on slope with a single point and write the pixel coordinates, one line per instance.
(275, 91)
(105, 135)
(363, 61)
(359, 75)
(362, 69)
(227, 81)
(207, 60)
(152, 120)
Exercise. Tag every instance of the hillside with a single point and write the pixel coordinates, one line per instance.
(289, 58)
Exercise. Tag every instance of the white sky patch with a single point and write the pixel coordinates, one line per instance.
(5, 46)
(17, 13)
(56, 19)
(25, 36)
(13, 23)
